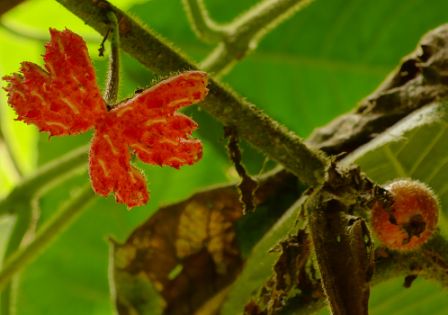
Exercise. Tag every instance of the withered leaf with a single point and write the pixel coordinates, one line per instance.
(344, 255)
(186, 251)
(187, 254)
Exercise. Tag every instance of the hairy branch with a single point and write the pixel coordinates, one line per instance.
(418, 71)
(204, 27)
(245, 32)
(23, 225)
(50, 231)
(252, 124)
(6, 5)
(10, 163)
(418, 81)
(48, 175)
(113, 73)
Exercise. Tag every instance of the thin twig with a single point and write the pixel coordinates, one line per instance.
(26, 32)
(46, 176)
(51, 229)
(10, 163)
(6, 5)
(248, 185)
(20, 202)
(22, 225)
(113, 73)
(246, 31)
(204, 27)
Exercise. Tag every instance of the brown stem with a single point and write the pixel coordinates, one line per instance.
(6, 5)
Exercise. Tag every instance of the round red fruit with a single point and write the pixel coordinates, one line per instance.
(411, 219)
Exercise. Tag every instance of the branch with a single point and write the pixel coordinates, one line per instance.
(256, 127)
(21, 32)
(22, 226)
(204, 27)
(343, 135)
(418, 81)
(29, 33)
(430, 262)
(6, 5)
(243, 35)
(52, 228)
(43, 179)
(20, 201)
(9, 161)
(113, 72)
(333, 138)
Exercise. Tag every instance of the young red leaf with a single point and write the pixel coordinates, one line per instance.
(64, 99)
(111, 171)
(149, 125)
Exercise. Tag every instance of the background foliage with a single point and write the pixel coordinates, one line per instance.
(310, 69)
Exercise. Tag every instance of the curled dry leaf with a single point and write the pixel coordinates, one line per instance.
(188, 245)
(196, 244)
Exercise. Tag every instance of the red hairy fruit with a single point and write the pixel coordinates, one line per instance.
(411, 219)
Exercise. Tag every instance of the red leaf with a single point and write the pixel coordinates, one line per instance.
(110, 170)
(64, 99)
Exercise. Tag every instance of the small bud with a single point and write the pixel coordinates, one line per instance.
(411, 219)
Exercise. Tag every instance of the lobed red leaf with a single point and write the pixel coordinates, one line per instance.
(111, 171)
(64, 99)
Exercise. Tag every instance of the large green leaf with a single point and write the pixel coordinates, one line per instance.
(413, 148)
(313, 67)
(327, 57)
(75, 267)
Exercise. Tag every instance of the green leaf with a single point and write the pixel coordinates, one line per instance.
(390, 297)
(413, 148)
(77, 262)
(313, 67)
(322, 61)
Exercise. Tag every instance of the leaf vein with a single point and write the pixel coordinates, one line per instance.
(395, 162)
(431, 145)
